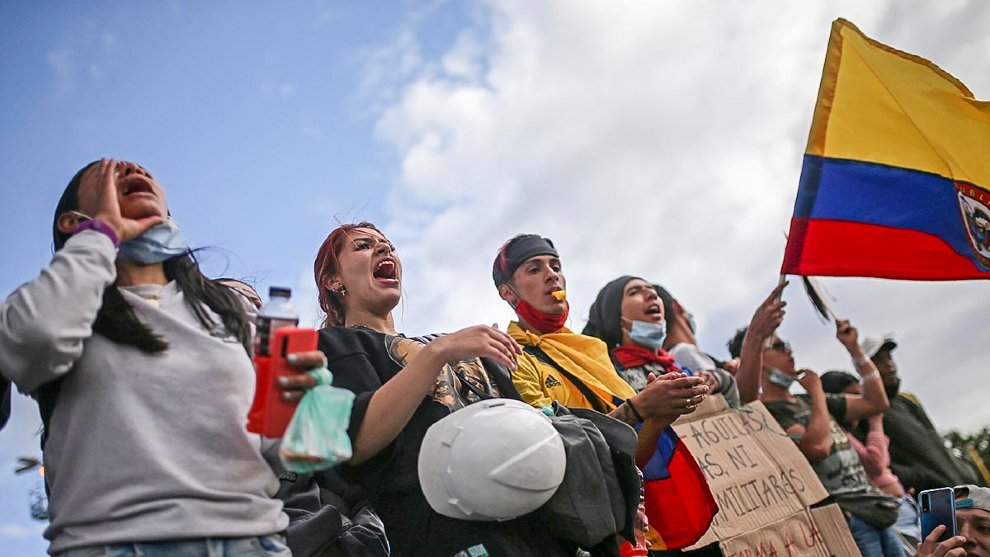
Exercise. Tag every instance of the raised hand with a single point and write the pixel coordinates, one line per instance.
(108, 205)
(809, 380)
(770, 314)
(846, 333)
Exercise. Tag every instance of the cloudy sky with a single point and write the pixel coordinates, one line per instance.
(661, 139)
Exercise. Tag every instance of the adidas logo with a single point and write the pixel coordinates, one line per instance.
(552, 382)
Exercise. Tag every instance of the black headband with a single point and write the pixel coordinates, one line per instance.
(516, 251)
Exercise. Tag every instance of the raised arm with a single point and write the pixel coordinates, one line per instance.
(876, 450)
(874, 398)
(815, 442)
(765, 321)
(45, 322)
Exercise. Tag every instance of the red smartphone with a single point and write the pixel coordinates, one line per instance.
(270, 415)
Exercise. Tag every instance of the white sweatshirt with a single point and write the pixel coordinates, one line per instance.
(141, 446)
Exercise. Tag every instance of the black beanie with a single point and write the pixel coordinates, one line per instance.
(605, 315)
(835, 382)
(516, 251)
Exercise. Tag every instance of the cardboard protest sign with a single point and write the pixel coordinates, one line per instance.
(755, 471)
(822, 533)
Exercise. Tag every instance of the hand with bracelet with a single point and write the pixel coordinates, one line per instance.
(874, 399)
(849, 337)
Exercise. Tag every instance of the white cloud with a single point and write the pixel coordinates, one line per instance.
(63, 69)
(385, 68)
(662, 139)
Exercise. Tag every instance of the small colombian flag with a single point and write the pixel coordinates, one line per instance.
(896, 176)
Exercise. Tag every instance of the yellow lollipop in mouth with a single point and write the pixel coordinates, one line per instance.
(559, 294)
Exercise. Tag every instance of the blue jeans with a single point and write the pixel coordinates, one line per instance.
(873, 542)
(263, 546)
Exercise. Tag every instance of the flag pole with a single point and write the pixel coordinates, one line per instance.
(767, 342)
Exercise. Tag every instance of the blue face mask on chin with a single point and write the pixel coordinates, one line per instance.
(780, 378)
(648, 334)
(159, 243)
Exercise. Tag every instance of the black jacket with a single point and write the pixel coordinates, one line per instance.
(917, 452)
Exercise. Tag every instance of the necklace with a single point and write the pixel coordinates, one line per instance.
(154, 299)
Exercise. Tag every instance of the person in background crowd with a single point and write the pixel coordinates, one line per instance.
(918, 454)
(629, 316)
(140, 365)
(681, 343)
(812, 420)
(327, 516)
(404, 385)
(973, 524)
(876, 459)
(243, 289)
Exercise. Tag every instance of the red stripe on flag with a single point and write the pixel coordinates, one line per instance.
(833, 248)
(680, 507)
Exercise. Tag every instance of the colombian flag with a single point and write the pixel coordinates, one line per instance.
(679, 504)
(896, 176)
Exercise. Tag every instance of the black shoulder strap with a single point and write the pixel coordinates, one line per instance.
(501, 376)
(593, 399)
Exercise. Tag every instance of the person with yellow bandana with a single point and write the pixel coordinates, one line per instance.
(570, 368)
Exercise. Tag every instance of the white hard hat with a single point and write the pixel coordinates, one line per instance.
(493, 460)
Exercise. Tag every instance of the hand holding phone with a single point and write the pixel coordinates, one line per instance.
(938, 509)
(270, 414)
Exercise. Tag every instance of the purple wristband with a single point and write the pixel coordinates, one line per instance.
(99, 226)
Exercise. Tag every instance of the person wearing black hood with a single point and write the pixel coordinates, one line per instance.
(917, 452)
(629, 316)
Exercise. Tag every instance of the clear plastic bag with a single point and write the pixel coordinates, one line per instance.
(316, 438)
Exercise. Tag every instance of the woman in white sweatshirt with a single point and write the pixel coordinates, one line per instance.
(141, 367)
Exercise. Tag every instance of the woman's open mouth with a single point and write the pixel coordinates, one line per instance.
(137, 184)
(385, 271)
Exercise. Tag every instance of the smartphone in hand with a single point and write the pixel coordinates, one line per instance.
(938, 507)
(270, 415)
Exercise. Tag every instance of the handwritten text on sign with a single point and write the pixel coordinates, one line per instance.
(755, 472)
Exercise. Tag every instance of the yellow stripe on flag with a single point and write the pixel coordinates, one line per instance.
(878, 104)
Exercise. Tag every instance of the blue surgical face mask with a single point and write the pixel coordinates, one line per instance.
(159, 243)
(692, 323)
(780, 378)
(648, 334)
